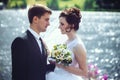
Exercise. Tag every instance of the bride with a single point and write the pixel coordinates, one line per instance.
(69, 23)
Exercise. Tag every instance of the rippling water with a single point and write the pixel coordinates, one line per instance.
(100, 32)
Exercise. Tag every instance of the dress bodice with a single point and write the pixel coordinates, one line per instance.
(61, 74)
(71, 45)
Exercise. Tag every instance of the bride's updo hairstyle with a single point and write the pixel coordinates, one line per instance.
(72, 16)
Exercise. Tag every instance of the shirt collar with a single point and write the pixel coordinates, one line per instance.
(37, 36)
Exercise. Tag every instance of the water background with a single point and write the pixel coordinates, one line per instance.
(100, 32)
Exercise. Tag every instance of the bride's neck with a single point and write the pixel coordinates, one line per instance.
(71, 36)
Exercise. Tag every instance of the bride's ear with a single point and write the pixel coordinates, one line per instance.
(72, 26)
(69, 28)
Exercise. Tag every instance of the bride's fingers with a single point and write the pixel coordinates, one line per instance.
(52, 62)
(58, 65)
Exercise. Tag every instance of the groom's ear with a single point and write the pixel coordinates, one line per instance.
(35, 19)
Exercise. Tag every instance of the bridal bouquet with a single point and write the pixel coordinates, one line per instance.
(61, 54)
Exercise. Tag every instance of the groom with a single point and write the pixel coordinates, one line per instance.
(29, 56)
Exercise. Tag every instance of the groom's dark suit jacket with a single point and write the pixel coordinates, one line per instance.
(27, 61)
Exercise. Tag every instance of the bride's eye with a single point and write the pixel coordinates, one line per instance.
(62, 24)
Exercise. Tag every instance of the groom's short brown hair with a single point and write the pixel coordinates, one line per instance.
(37, 10)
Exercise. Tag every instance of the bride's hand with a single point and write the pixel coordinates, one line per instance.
(58, 65)
(51, 61)
(61, 66)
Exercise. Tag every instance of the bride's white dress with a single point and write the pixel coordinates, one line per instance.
(61, 74)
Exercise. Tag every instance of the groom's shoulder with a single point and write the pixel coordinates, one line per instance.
(22, 36)
(19, 40)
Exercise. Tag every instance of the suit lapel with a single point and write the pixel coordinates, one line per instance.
(33, 42)
(36, 48)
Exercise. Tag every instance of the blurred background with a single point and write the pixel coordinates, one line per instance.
(86, 5)
(99, 30)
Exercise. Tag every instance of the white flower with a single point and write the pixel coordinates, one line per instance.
(61, 54)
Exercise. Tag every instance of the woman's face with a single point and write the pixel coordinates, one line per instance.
(63, 25)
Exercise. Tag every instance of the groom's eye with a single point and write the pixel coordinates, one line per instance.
(47, 19)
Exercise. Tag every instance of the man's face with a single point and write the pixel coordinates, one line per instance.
(43, 22)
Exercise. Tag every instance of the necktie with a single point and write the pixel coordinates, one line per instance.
(43, 47)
